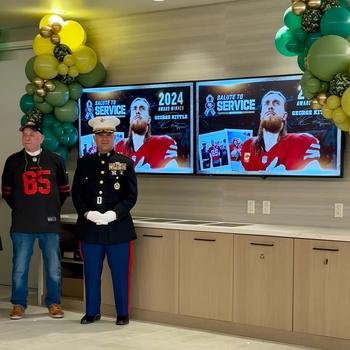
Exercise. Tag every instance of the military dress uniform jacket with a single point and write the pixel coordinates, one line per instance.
(105, 182)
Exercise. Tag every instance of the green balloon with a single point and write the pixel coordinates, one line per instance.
(311, 38)
(64, 139)
(30, 89)
(300, 34)
(48, 121)
(336, 21)
(294, 45)
(29, 69)
(301, 61)
(44, 107)
(59, 96)
(68, 112)
(68, 128)
(282, 36)
(313, 85)
(38, 99)
(328, 56)
(324, 86)
(345, 4)
(26, 103)
(62, 151)
(307, 94)
(50, 141)
(58, 131)
(23, 120)
(291, 20)
(73, 137)
(75, 91)
(93, 78)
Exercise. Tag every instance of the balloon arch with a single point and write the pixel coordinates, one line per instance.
(61, 67)
(318, 33)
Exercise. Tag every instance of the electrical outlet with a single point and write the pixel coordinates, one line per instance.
(266, 207)
(250, 206)
(338, 210)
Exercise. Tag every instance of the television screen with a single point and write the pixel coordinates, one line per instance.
(156, 128)
(263, 126)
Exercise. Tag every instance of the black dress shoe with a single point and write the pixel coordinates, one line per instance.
(122, 320)
(90, 319)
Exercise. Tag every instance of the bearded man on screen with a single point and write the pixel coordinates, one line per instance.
(274, 149)
(146, 150)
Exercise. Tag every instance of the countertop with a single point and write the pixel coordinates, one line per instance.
(290, 231)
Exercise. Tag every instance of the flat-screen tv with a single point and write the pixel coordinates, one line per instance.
(156, 128)
(263, 126)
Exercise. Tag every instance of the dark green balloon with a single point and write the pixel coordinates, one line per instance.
(93, 78)
(64, 139)
(336, 21)
(311, 38)
(48, 120)
(300, 34)
(73, 137)
(295, 46)
(50, 141)
(30, 89)
(26, 103)
(291, 20)
(29, 69)
(23, 120)
(59, 96)
(68, 128)
(301, 61)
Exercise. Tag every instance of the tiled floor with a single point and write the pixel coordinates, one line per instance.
(39, 332)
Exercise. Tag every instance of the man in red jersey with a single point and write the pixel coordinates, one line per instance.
(235, 149)
(214, 151)
(275, 150)
(146, 150)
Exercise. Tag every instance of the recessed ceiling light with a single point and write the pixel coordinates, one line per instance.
(158, 0)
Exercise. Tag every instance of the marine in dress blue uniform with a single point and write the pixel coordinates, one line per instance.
(104, 191)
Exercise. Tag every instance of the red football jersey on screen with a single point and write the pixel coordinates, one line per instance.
(215, 153)
(294, 151)
(156, 150)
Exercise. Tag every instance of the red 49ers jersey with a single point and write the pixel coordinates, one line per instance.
(294, 151)
(215, 153)
(157, 151)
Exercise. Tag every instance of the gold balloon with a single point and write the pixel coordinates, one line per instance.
(41, 92)
(45, 31)
(55, 39)
(49, 86)
(314, 104)
(314, 4)
(322, 98)
(299, 8)
(56, 27)
(38, 82)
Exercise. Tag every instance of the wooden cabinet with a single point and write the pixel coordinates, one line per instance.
(155, 270)
(263, 281)
(322, 288)
(206, 274)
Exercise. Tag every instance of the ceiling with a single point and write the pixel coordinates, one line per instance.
(27, 13)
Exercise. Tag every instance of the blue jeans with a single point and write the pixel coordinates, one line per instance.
(49, 244)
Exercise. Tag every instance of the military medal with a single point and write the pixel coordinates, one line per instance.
(117, 186)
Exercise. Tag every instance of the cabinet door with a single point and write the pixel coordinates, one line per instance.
(206, 274)
(322, 288)
(263, 281)
(155, 270)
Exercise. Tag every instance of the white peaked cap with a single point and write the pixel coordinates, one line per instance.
(104, 124)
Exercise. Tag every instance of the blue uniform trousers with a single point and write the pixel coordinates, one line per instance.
(119, 258)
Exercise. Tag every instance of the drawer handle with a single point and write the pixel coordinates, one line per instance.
(153, 236)
(263, 244)
(327, 249)
(205, 239)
